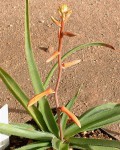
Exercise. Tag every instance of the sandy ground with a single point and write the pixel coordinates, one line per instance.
(99, 70)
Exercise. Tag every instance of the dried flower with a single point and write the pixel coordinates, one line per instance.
(69, 34)
(69, 64)
(71, 115)
(39, 96)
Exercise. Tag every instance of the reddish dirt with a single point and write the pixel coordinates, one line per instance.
(99, 70)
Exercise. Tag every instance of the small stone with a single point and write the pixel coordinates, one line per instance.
(10, 25)
(41, 21)
(49, 25)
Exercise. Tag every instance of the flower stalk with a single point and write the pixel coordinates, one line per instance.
(64, 14)
(59, 76)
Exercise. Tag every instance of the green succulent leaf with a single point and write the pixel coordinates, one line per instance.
(69, 106)
(35, 146)
(94, 144)
(97, 109)
(43, 104)
(24, 126)
(9, 129)
(59, 145)
(70, 52)
(49, 118)
(43, 148)
(95, 118)
(22, 99)
(33, 71)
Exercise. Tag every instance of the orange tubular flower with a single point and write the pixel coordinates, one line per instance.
(39, 96)
(69, 64)
(71, 115)
(54, 55)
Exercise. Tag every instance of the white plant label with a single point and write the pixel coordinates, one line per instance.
(4, 139)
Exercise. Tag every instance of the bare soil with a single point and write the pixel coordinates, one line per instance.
(99, 70)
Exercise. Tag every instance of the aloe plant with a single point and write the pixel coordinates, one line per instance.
(52, 130)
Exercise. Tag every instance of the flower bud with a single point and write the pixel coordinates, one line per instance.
(63, 9)
(56, 21)
(64, 12)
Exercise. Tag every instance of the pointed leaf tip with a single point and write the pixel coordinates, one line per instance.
(109, 46)
(39, 96)
(70, 115)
